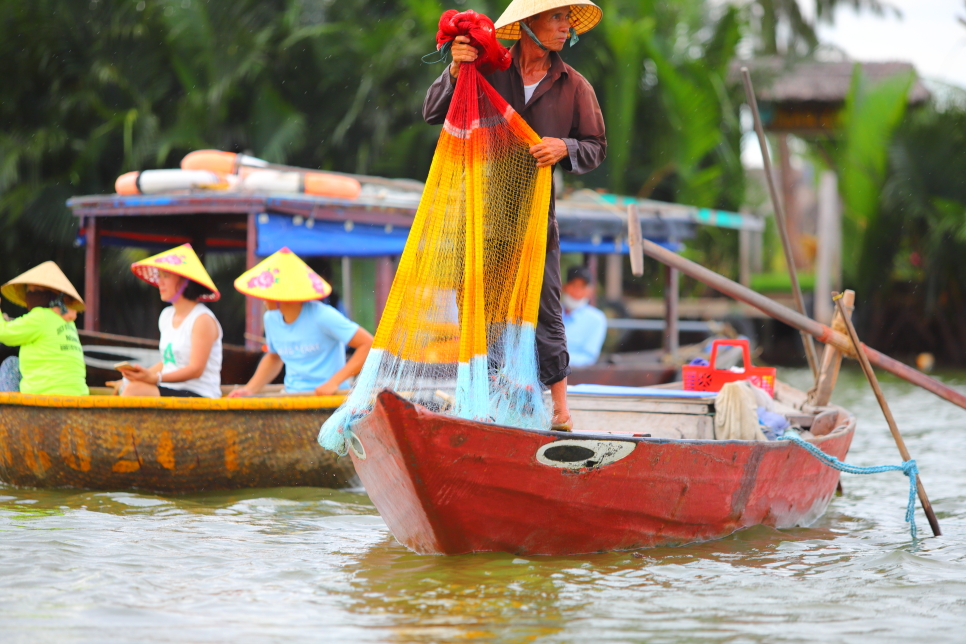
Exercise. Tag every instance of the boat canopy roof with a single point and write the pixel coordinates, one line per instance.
(375, 224)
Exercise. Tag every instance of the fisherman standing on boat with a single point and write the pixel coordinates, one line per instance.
(51, 359)
(190, 334)
(304, 335)
(561, 106)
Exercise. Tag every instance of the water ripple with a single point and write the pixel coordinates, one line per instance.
(300, 564)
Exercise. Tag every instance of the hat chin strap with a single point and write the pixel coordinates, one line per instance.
(58, 302)
(573, 36)
(179, 292)
(532, 35)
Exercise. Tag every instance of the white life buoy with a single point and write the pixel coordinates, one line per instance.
(258, 175)
(152, 182)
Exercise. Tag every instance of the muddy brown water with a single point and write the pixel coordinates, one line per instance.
(313, 565)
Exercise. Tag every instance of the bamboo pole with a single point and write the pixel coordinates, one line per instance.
(810, 353)
(801, 322)
(900, 443)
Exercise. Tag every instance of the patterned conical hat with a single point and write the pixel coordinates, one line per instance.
(47, 275)
(283, 277)
(584, 15)
(180, 261)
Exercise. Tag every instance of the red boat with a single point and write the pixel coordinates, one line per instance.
(649, 474)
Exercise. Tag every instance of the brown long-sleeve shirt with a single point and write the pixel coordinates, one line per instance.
(563, 106)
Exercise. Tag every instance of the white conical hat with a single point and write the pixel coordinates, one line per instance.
(584, 15)
(47, 275)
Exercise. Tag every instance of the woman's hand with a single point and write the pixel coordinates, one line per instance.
(327, 389)
(549, 151)
(241, 392)
(138, 373)
(462, 53)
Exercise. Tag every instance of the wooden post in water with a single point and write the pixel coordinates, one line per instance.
(900, 443)
(614, 278)
(385, 271)
(347, 286)
(92, 274)
(253, 307)
(780, 219)
(671, 287)
(828, 264)
(593, 265)
(828, 370)
(635, 241)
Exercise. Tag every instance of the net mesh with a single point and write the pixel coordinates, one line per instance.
(458, 331)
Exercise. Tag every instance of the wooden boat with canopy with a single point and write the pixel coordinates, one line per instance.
(642, 470)
(171, 445)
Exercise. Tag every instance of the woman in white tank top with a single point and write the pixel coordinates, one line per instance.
(190, 334)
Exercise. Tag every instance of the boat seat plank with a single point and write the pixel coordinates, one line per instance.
(648, 405)
(630, 423)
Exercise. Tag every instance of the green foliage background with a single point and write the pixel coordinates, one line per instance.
(95, 88)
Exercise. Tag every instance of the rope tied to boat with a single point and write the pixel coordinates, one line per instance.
(908, 468)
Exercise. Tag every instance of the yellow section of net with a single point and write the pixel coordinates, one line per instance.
(457, 332)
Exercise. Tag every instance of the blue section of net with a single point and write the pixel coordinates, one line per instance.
(908, 468)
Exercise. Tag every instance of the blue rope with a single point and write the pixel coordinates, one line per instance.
(908, 468)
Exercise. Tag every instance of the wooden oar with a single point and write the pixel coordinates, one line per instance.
(796, 320)
(810, 353)
(901, 444)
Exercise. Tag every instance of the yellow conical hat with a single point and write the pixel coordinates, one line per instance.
(180, 261)
(47, 275)
(283, 277)
(584, 15)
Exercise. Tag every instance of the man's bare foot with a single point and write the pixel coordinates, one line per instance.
(562, 424)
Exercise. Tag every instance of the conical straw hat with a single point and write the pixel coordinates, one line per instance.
(283, 277)
(584, 15)
(48, 275)
(180, 261)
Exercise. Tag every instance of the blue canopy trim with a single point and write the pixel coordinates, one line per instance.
(313, 238)
(309, 238)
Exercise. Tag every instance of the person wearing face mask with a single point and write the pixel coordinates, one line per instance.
(561, 107)
(191, 336)
(51, 359)
(586, 325)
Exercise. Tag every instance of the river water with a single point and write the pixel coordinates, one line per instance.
(308, 565)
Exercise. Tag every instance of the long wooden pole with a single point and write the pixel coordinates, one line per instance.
(901, 444)
(819, 331)
(810, 353)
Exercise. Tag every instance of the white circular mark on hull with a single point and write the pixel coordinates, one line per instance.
(575, 454)
(355, 445)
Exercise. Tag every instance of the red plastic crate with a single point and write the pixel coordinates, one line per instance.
(698, 378)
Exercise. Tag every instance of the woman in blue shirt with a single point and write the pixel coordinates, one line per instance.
(304, 335)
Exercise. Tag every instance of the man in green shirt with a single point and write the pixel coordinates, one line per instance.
(51, 358)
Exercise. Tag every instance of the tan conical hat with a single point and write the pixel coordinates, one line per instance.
(47, 275)
(584, 15)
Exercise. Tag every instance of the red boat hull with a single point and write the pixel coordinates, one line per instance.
(450, 486)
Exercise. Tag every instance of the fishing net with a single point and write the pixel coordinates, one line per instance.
(458, 331)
